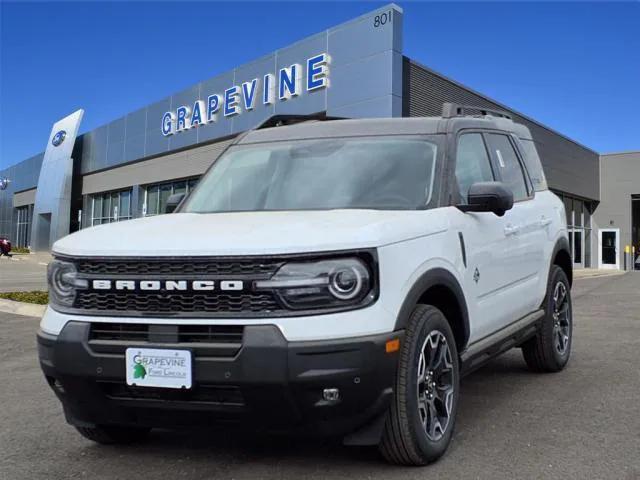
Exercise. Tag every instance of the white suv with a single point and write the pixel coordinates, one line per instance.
(328, 276)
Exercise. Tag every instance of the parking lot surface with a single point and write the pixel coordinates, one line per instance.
(23, 273)
(581, 423)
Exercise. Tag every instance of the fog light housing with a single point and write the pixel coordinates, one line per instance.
(331, 394)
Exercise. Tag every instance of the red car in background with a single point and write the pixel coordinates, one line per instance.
(5, 246)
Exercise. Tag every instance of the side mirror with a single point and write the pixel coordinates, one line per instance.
(173, 201)
(493, 197)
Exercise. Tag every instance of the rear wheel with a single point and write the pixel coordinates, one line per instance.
(109, 434)
(550, 349)
(422, 415)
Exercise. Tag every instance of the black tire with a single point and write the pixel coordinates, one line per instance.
(405, 440)
(544, 352)
(113, 435)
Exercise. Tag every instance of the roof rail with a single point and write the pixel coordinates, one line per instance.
(450, 110)
(290, 119)
(280, 120)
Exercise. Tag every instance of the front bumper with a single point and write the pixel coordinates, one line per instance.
(269, 383)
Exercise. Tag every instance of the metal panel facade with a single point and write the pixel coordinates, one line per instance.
(569, 166)
(53, 197)
(619, 180)
(364, 75)
(183, 164)
(22, 176)
(27, 197)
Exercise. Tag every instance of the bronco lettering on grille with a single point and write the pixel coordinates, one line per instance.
(169, 285)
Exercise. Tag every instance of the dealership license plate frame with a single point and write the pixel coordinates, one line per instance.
(172, 382)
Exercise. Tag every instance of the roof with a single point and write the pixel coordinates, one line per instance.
(345, 128)
(378, 126)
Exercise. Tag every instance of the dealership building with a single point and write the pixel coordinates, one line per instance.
(129, 167)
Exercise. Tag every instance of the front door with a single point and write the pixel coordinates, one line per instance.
(608, 248)
(502, 252)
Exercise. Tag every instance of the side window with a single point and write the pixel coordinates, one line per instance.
(534, 165)
(508, 165)
(472, 163)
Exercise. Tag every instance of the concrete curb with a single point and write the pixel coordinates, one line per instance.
(612, 273)
(22, 308)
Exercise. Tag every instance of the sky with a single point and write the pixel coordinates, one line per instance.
(573, 66)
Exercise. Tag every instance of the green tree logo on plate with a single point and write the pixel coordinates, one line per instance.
(139, 371)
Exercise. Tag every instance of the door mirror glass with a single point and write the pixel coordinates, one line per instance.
(493, 197)
(173, 201)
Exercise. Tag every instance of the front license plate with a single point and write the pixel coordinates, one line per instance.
(156, 367)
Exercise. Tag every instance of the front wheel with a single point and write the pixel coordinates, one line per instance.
(550, 349)
(422, 415)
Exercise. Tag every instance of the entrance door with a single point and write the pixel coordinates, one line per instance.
(608, 248)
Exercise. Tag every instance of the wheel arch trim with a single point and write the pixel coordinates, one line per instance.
(562, 245)
(435, 277)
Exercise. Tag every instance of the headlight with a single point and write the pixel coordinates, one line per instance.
(336, 283)
(63, 282)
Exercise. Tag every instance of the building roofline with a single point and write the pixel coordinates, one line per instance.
(501, 105)
(626, 152)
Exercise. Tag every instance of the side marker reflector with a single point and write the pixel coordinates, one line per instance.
(392, 345)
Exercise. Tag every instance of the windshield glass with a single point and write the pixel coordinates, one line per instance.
(368, 173)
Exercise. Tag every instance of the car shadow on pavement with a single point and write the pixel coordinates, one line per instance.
(206, 445)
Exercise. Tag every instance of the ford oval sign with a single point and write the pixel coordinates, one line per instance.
(58, 138)
(4, 183)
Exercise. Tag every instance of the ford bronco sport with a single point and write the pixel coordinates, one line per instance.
(330, 276)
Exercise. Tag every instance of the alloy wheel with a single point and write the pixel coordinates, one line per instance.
(435, 385)
(561, 318)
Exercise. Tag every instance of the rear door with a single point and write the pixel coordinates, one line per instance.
(524, 225)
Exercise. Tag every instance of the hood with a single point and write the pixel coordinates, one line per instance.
(252, 233)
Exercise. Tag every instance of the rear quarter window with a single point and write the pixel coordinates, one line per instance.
(534, 165)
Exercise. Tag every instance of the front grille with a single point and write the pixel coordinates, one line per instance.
(150, 303)
(206, 340)
(179, 302)
(211, 394)
(172, 267)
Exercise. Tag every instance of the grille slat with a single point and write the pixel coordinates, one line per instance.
(180, 267)
(177, 302)
(210, 340)
(185, 333)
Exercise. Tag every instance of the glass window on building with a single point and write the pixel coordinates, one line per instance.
(23, 230)
(156, 195)
(578, 212)
(579, 226)
(568, 208)
(110, 207)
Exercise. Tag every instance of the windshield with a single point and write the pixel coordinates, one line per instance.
(368, 173)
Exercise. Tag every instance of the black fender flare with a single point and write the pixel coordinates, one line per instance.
(432, 278)
(561, 244)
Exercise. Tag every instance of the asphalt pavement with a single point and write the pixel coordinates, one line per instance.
(22, 273)
(582, 423)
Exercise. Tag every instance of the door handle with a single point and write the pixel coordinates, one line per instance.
(545, 222)
(511, 230)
